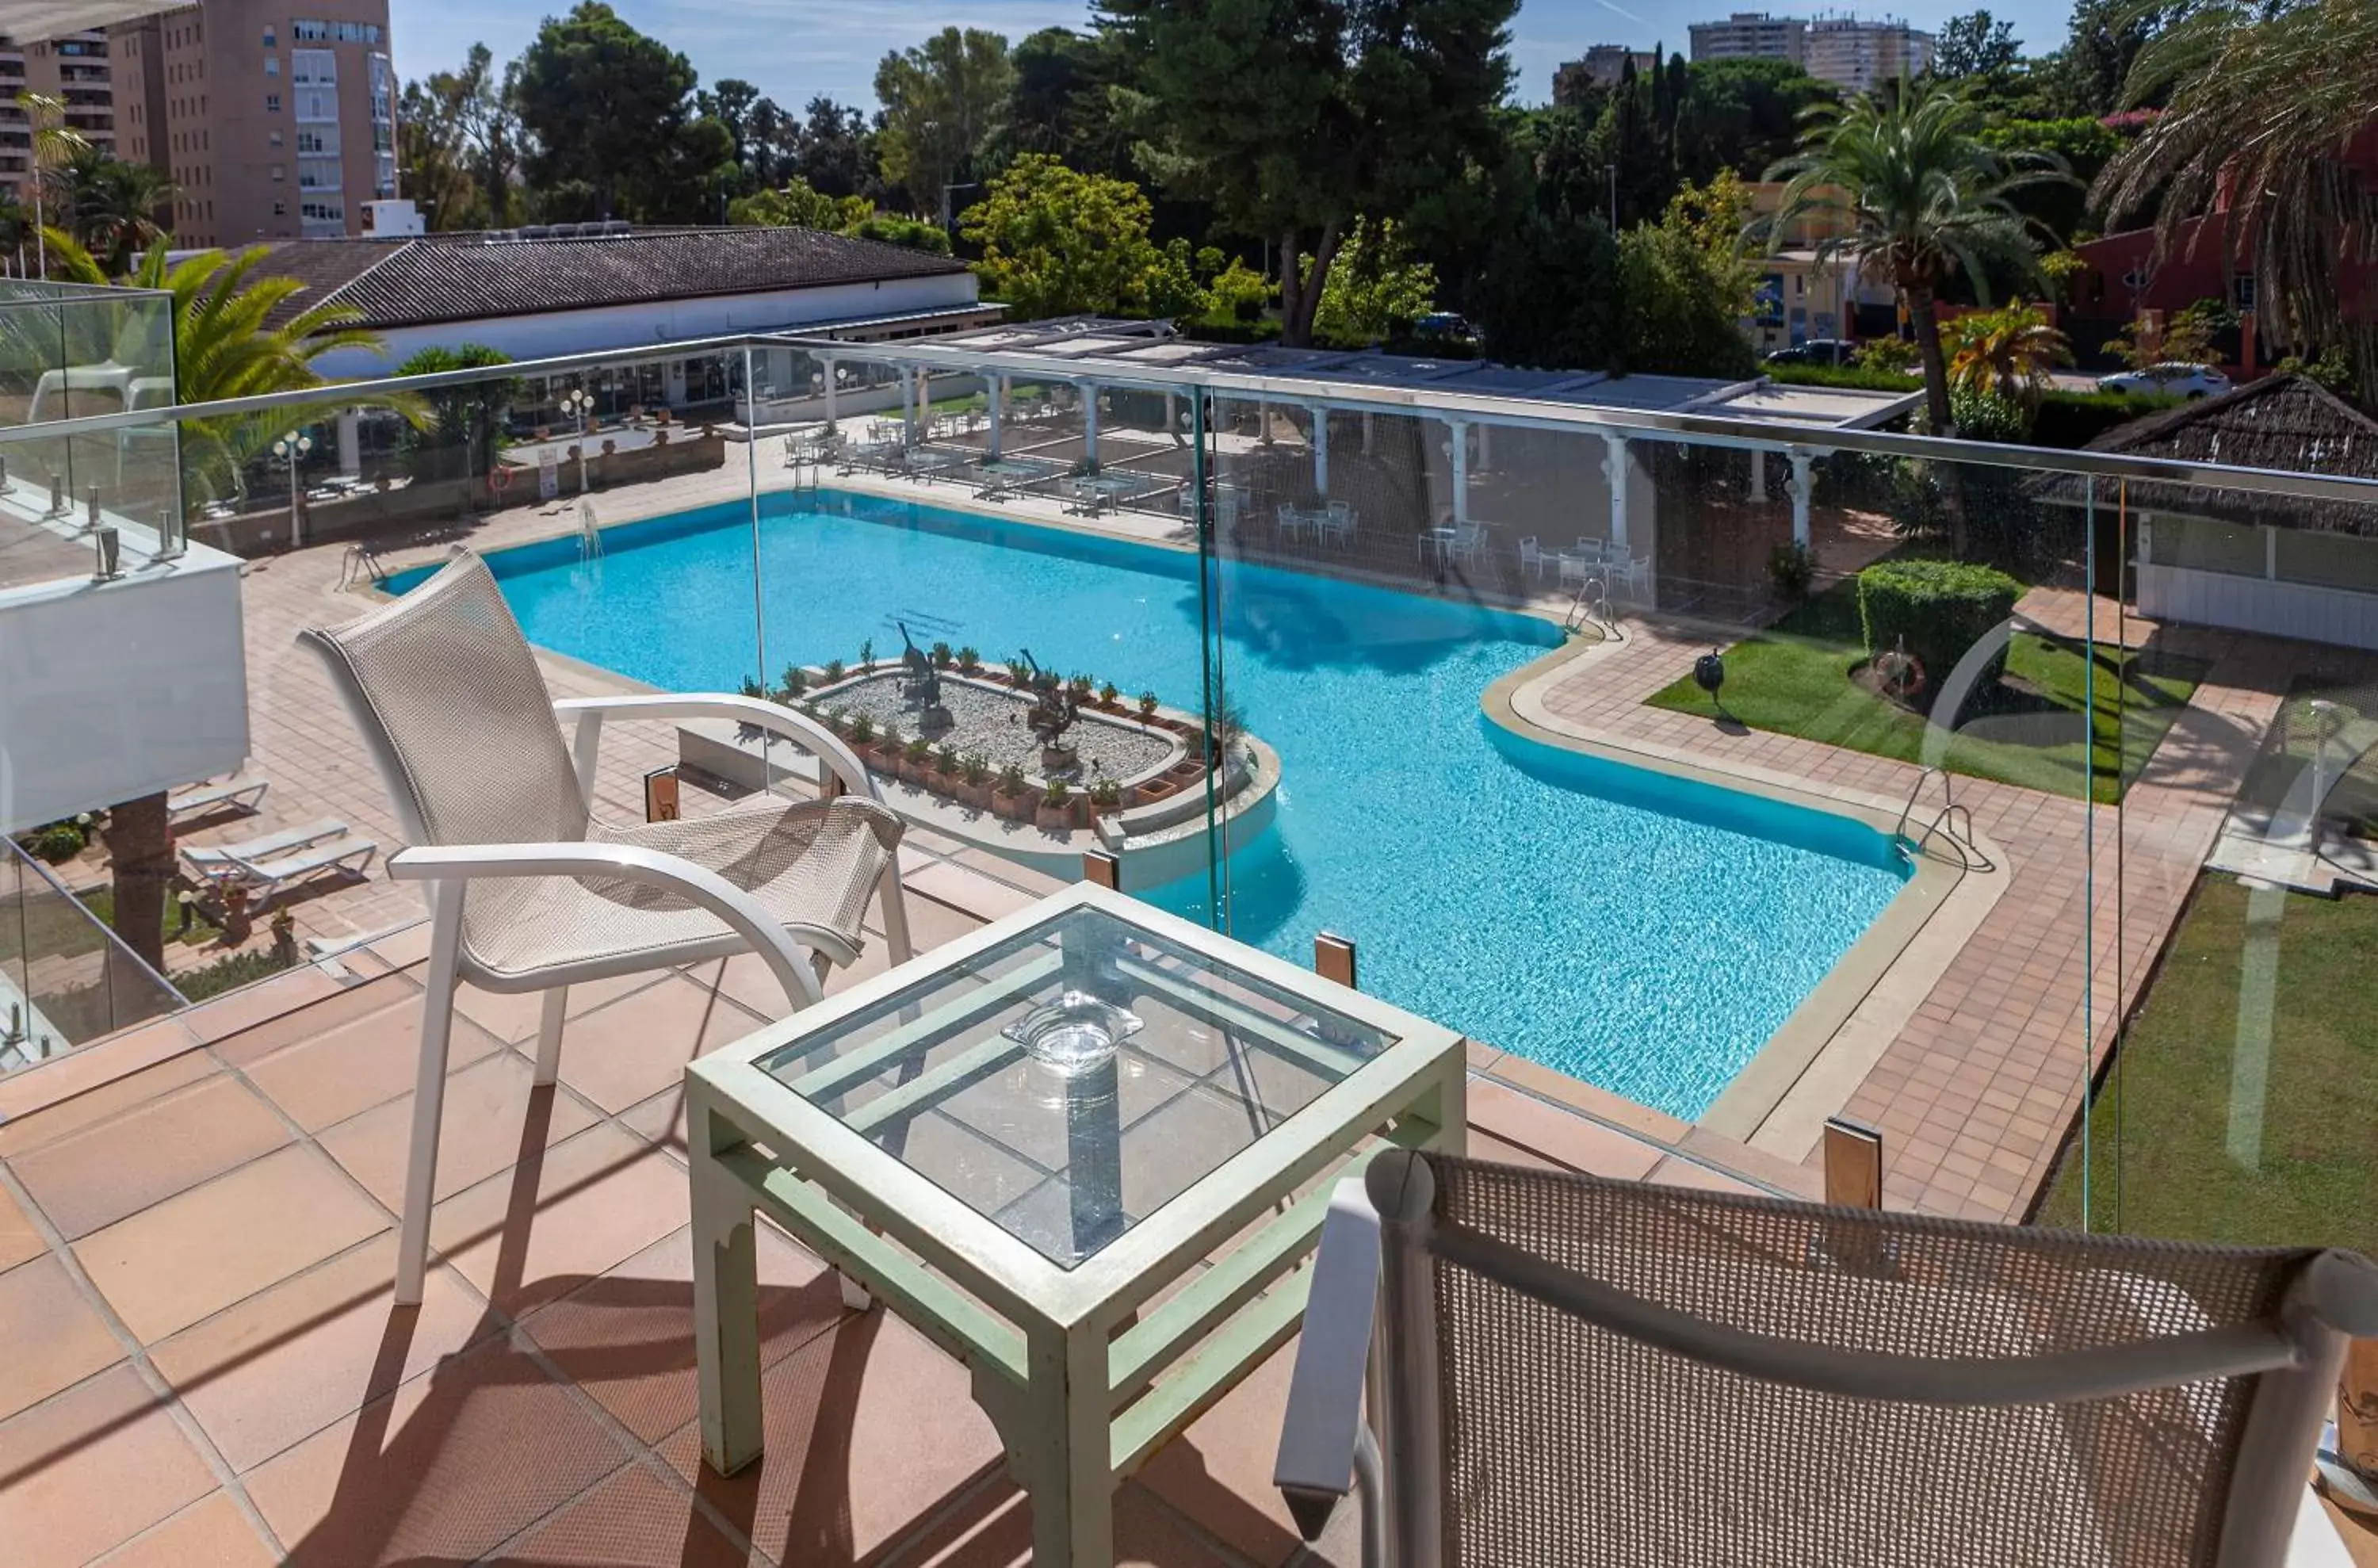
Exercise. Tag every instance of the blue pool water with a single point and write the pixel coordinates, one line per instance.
(1643, 932)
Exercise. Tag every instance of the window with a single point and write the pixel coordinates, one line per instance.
(280, 208)
(2245, 291)
(274, 137)
(279, 174)
(272, 103)
(271, 42)
(272, 64)
(307, 31)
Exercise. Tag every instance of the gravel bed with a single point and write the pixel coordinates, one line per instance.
(990, 719)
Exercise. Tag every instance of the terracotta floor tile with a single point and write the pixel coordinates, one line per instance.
(229, 1016)
(18, 1239)
(628, 1337)
(639, 1046)
(65, 1467)
(361, 1064)
(446, 1468)
(845, 1472)
(118, 1168)
(108, 1101)
(306, 1016)
(1558, 1135)
(511, 1016)
(1218, 1471)
(634, 1520)
(1686, 1173)
(170, 1265)
(562, 1218)
(54, 1339)
(289, 1360)
(484, 1117)
(211, 1533)
(994, 1530)
(91, 1067)
(660, 1119)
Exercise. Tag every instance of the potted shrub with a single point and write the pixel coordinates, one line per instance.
(942, 656)
(833, 671)
(1011, 798)
(1058, 805)
(889, 745)
(917, 760)
(945, 768)
(974, 781)
(1083, 686)
(862, 732)
(752, 688)
(866, 654)
(1105, 798)
(1147, 708)
(1019, 673)
(969, 661)
(1110, 697)
(797, 680)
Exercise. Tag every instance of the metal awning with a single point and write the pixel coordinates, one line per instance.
(30, 21)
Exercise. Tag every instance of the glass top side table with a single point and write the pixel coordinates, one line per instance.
(1021, 1139)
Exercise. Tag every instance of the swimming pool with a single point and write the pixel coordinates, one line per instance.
(1644, 933)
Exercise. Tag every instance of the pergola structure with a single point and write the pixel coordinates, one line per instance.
(1471, 397)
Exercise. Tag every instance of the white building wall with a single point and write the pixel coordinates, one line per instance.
(658, 324)
(2258, 604)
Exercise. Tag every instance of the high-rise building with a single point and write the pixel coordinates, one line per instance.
(74, 68)
(1602, 65)
(1750, 35)
(272, 127)
(1857, 55)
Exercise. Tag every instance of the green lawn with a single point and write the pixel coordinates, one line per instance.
(1795, 680)
(2305, 1171)
(49, 925)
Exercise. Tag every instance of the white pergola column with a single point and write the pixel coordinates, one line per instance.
(1171, 414)
(1614, 468)
(1802, 486)
(907, 410)
(1461, 473)
(351, 444)
(1090, 426)
(1321, 452)
(1366, 435)
(924, 407)
(830, 371)
(1486, 447)
(997, 385)
(1759, 476)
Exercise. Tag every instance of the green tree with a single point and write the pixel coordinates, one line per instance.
(2084, 145)
(54, 142)
(1376, 290)
(1294, 116)
(1056, 242)
(2009, 353)
(910, 234)
(1685, 286)
(1062, 104)
(463, 420)
(835, 152)
(114, 209)
(2268, 121)
(1547, 294)
(235, 335)
(459, 137)
(1975, 45)
(799, 204)
(2085, 79)
(943, 102)
(1743, 115)
(1904, 187)
(610, 109)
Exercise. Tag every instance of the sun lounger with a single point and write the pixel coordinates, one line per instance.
(247, 794)
(266, 877)
(222, 861)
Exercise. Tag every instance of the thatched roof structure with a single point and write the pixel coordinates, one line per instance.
(2280, 422)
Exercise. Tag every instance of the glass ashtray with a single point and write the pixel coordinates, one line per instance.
(1075, 1033)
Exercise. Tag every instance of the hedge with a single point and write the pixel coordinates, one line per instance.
(1854, 376)
(2070, 420)
(1938, 609)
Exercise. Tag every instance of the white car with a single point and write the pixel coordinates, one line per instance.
(2174, 379)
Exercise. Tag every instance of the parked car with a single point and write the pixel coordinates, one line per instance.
(2174, 379)
(1816, 351)
(1444, 326)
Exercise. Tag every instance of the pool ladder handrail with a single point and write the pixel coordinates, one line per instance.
(1943, 821)
(808, 474)
(590, 532)
(368, 560)
(1593, 586)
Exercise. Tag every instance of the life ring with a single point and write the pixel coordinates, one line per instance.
(1899, 673)
(499, 479)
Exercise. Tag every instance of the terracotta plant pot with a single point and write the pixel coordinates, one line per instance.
(1058, 818)
(1185, 769)
(1016, 807)
(1156, 788)
(974, 797)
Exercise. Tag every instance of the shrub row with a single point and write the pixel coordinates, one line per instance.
(1937, 610)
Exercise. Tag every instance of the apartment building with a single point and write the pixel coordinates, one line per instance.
(1750, 35)
(1857, 55)
(76, 69)
(1602, 66)
(273, 126)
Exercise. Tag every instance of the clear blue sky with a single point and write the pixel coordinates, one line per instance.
(793, 49)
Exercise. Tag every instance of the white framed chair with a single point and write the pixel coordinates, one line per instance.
(1574, 1372)
(1533, 558)
(529, 890)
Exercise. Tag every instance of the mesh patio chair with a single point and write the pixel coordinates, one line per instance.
(493, 805)
(1574, 1371)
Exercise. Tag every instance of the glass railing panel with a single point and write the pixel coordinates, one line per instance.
(66, 980)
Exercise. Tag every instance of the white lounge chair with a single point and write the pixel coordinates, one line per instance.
(529, 891)
(247, 794)
(266, 878)
(222, 862)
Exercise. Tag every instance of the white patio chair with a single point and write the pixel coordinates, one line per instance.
(1632, 572)
(1337, 524)
(496, 806)
(1287, 525)
(1574, 1372)
(1533, 558)
(1469, 543)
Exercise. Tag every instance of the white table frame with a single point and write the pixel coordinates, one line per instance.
(1066, 1362)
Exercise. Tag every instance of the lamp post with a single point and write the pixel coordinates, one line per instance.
(292, 447)
(580, 403)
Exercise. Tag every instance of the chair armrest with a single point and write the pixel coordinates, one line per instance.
(1319, 1432)
(797, 727)
(777, 947)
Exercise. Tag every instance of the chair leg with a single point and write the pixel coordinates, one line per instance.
(895, 901)
(429, 1092)
(549, 1035)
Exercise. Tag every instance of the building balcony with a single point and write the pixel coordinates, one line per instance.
(1423, 640)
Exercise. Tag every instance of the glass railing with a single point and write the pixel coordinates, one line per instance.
(1724, 768)
(65, 978)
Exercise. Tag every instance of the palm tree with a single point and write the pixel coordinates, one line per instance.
(54, 141)
(2269, 115)
(111, 206)
(1900, 183)
(2008, 352)
(225, 345)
